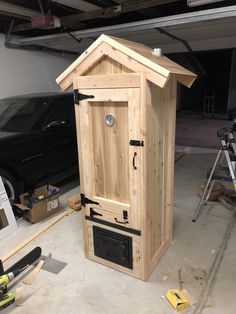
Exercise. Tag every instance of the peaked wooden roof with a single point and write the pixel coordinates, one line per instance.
(135, 56)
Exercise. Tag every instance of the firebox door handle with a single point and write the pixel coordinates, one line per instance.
(121, 222)
(134, 166)
(125, 217)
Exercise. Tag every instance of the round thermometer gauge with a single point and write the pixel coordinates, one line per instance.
(110, 120)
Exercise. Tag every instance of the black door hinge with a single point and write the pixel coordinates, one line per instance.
(136, 143)
(85, 200)
(78, 96)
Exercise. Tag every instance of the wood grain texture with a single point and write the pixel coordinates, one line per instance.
(106, 156)
(159, 154)
(145, 210)
(107, 66)
(109, 81)
(69, 73)
(78, 137)
(74, 202)
(157, 78)
(137, 255)
(114, 206)
(141, 59)
(110, 147)
(111, 216)
(135, 155)
(114, 62)
(154, 142)
(142, 111)
(170, 94)
(107, 60)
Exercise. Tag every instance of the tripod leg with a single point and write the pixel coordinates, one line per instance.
(232, 142)
(209, 191)
(206, 187)
(230, 166)
(202, 199)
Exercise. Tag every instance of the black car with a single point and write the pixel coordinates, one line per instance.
(37, 141)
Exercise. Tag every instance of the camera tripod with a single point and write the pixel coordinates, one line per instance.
(220, 172)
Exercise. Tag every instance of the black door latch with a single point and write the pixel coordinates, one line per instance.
(93, 213)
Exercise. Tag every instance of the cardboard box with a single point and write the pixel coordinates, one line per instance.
(7, 218)
(40, 204)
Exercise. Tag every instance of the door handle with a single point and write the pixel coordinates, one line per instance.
(121, 222)
(125, 217)
(134, 166)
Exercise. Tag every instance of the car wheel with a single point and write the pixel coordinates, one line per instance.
(10, 186)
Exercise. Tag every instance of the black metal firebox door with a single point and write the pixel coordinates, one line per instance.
(112, 246)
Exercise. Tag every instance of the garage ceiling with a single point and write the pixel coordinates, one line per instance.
(171, 24)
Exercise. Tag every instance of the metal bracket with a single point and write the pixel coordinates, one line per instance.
(93, 213)
(78, 96)
(85, 200)
(136, 143)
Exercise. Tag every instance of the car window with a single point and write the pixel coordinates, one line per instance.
(63, 110)
(19, 115)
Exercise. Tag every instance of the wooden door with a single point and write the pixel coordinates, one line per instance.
(110, 167)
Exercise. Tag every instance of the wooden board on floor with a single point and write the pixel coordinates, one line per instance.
(36, 234)
(180, 152)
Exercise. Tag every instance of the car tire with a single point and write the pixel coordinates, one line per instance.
(10, 185)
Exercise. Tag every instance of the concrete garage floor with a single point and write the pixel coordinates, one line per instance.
(199, 259)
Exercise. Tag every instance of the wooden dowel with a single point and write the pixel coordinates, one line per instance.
(28, 280)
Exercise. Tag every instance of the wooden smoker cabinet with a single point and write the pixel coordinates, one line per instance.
(125, 109)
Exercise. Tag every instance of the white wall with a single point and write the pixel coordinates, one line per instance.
(23, 72)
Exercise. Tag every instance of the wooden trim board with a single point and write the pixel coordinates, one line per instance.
(135, 52)
(109, 81)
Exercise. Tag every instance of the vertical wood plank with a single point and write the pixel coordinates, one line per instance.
(81, 167)
(145, 210)
(135, 155)
(108, 66)
(159, 149)
(110, 150)
(87, 148)
(170, 124)
(79, 146)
